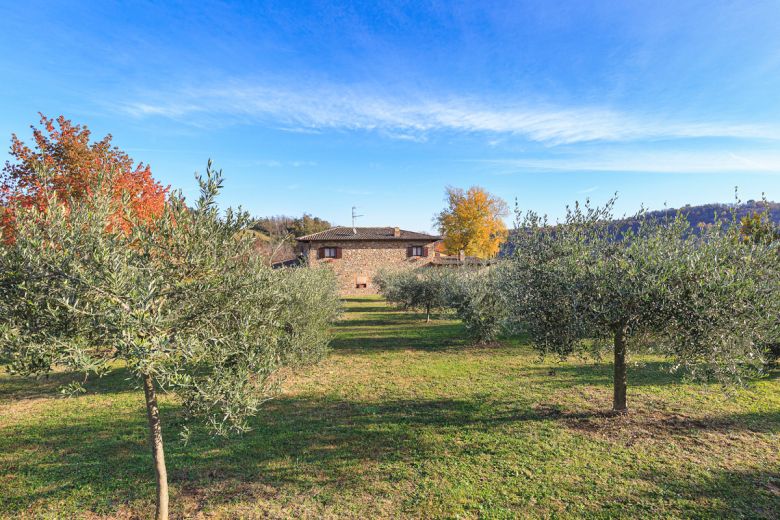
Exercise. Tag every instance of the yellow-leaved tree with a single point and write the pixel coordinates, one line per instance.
(473, 222)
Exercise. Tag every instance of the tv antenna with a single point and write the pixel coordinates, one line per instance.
(354, 216)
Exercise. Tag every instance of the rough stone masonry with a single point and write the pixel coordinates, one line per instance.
(356, 254)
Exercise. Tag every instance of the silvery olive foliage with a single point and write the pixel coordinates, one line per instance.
(183, 301)
(706, 298)
(425, 289)
(476, 296)
(473, 294)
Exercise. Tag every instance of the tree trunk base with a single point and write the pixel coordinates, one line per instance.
(619, 405)
(156, 442)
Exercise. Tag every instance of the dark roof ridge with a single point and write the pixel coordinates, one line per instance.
(367, 233)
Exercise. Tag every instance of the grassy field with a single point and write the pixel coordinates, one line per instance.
(405, 419)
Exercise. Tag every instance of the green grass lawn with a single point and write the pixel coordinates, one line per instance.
(405, 419)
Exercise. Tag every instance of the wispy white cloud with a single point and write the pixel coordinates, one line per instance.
(299, 130)
(588, 190)
(407, 117)
(646, 162)
(273, 163)
(270, 163)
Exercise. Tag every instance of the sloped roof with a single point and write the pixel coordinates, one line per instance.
(366, 233)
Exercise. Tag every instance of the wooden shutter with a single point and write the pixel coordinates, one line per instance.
(338, 252)
(321, 253)
(409, 251)
(425, 251)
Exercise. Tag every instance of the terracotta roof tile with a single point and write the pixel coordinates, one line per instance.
(366, 233)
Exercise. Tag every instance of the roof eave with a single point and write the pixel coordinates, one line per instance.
(383, 239)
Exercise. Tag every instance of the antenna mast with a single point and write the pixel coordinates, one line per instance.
(354, 216)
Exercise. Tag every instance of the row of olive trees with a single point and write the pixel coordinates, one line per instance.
(424, 290)
(706, 298)
(472, 294)
(181, 300)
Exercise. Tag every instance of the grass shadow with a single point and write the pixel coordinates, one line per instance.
(15, 388)
(718, 494)
(298, 443)
(647, 373)
(379, 322)
(430, 337)
(371, 309)
(293, 442)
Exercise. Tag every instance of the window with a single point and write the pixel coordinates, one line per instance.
(417, 251)
(331, 253)
(361, 282)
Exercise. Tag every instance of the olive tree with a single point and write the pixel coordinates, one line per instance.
(182, 301)
(704, 298)
(423, 289)
(478, 300)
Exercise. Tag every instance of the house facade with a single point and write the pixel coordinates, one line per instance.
(356, 254)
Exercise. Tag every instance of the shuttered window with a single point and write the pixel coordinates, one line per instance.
(329, 252)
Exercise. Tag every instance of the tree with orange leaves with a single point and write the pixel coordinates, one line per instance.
(473, 222)
(62, 159)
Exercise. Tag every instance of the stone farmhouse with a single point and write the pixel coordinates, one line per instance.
(357, 254)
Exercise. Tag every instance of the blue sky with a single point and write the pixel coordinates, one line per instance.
(319, 106)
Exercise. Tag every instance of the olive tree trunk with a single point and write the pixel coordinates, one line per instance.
(620, 380)
(155, 439)
(427, 314)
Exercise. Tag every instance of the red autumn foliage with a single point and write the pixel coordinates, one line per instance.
(74, 164)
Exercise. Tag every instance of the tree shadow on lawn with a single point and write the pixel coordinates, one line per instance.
(15, 388)
(371, 309)
(716, 494)
(398, 321)
(295, 443)
(642, 373)
(431, 337)
(647, 373)
(646, 421)
(364, 305)
(401, 318)
(301, 443)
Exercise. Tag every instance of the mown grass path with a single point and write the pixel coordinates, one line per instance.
(405, 419)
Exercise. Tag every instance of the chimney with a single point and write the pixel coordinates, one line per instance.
(397, 232)
(461, 255)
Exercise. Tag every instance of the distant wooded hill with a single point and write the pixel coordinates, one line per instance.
(281, 226)
(275, 236)
(706, 214)
(698, 216)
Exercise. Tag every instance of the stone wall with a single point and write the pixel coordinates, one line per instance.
(363, 259)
